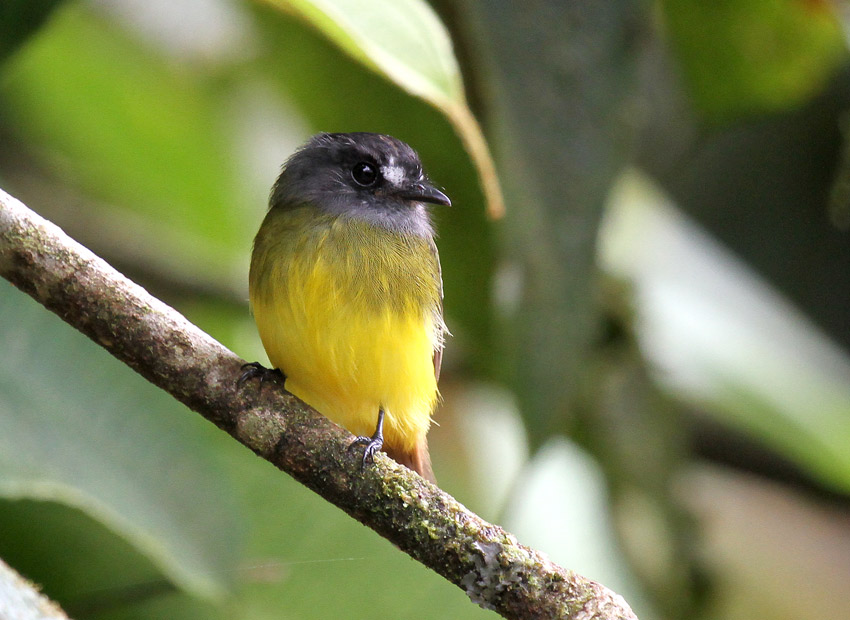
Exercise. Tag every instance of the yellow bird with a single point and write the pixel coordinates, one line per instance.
(346, 290)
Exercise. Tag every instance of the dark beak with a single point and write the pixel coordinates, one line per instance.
(423, 192)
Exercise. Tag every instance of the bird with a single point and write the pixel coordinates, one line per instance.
(346, 289)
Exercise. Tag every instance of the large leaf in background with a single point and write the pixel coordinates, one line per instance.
(762, 188)
(79, 428)
(406, 42)
(721, 337)
(19, 19)
(565, 131)
(132, 131)
(79, 562)
(743, 56)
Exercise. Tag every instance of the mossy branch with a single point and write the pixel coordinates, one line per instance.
(488, 563)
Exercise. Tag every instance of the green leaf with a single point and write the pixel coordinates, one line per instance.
(405, 41)
(19, 19)
(402, 39)
(130, 129)
(76, 560)
(79, 428)
(569, 72)
(722, 338)
(746, 56)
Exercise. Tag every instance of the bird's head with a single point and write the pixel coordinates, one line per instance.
(363, 175)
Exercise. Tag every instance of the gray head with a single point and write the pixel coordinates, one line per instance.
(361, 175)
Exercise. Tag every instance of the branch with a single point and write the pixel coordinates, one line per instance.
(160, 344)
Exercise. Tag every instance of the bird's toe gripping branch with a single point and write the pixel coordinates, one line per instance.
(372, 444)
(255, 370)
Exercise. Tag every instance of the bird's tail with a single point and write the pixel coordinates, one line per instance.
(418, 459)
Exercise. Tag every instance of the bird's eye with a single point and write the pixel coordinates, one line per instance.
(364, 174)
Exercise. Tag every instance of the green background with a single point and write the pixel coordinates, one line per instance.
(648, 376)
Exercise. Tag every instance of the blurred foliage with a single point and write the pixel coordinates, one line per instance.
(19, 19)
(138, 475)
(151, 131)
(556, 321)
(779, 378)
(745, 56)
(87, 91)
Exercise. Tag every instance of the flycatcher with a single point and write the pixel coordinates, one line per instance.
(346, 290)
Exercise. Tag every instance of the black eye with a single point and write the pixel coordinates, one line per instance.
(364, 174)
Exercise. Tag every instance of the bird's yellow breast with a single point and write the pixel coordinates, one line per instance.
(350, 313)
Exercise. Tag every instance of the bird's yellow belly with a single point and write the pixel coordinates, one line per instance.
(346, 355)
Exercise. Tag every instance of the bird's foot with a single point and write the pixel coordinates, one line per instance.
(255, 370)
(372, 444)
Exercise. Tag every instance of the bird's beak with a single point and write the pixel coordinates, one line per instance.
(424, 192)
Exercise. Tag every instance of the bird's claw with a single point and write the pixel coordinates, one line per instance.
(255, 370)
(372, 445)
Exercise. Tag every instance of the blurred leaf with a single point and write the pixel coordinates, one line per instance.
(777, 552)
(762, 188)
(744, 56)
(405, 41)
(839, 194)
(723, 338)
(75, 559)
(842, 10)
(19, 19)
(131, 129)
(79, 428)
(561, 507)
(566, 74)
